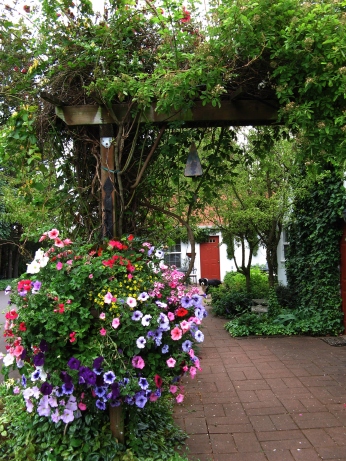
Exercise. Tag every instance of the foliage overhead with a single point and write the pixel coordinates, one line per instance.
(171, 55)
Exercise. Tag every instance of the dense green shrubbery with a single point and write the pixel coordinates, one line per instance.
(232, 299)
(236, 282)
(283, 321)
(229, 304)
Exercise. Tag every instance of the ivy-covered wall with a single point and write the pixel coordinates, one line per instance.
(313, 256)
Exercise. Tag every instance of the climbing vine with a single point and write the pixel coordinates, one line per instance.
(313, 256)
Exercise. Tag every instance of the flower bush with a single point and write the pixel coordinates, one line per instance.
(98, 326)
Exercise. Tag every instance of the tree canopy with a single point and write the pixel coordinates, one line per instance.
(285, 52)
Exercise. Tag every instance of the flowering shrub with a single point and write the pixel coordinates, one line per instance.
(99, 326)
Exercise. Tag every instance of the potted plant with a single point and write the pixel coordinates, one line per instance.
(97, 327)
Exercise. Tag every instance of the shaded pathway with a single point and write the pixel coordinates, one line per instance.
(265, 399)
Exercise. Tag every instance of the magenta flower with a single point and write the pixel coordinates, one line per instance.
(103, 332)
(59, 266)
(173, 389)
(179, 398)
(138, 362)
(171, 362)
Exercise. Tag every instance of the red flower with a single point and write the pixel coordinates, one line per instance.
(73, 337)
(158, 381)
(22, 326)
(115, 244)
(181, 312)
(61, 308)
(186, 15)
(11, 315)
(130, 238)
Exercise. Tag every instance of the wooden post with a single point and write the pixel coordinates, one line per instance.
(107, 181)
(116, 416)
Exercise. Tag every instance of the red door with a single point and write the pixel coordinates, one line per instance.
(210, 258)
(343, 273)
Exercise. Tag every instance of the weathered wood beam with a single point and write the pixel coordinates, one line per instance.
(238, 112)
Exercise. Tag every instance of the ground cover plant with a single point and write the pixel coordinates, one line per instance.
(98, 327)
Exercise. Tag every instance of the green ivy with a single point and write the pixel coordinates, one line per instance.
(313, 256)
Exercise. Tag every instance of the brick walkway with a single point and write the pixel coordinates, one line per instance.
(265, 399)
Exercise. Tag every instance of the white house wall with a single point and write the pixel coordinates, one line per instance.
(226, 265)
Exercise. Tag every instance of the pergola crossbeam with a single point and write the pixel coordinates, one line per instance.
(236, 112)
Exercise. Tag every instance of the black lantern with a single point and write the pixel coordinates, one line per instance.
(193, 166)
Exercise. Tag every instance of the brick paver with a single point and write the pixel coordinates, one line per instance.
(265, 399)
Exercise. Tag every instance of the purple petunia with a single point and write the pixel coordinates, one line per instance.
(67, 388)
(186, 346)
(136, 316)
(109, 377)
(140, 400)
(141, 341)
(199, 336)
(46, 388)
(143, 296)
(100, 391)
(186, 302)
(43, 346)
(38, 359)
(165, 349)
(36, 286)
(146, 320)
(100, 404)
(98, 362)
(73, 363)
(143, 383)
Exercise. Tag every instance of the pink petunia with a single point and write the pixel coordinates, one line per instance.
(193, 372)
(59, 266)
(43, 237)
(103, 332)
(130, 276)
(170, 315)
(131, 302)
(115, 323)
(91, 276)
(138, 362)
(69, 262)
(179, 398)
(173, 389)
(102, 316)
(67, 241)
(53, 234)
(191, 353)
(176, 334)
(185, 326)
(82, 406)
(108, 298)
(171, 362)
(59, 243)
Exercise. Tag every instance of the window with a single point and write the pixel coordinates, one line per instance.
(173, 255)
(285, 243)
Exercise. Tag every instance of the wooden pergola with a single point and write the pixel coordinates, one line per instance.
(238, 110)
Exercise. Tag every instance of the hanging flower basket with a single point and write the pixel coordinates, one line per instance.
(99, 327)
